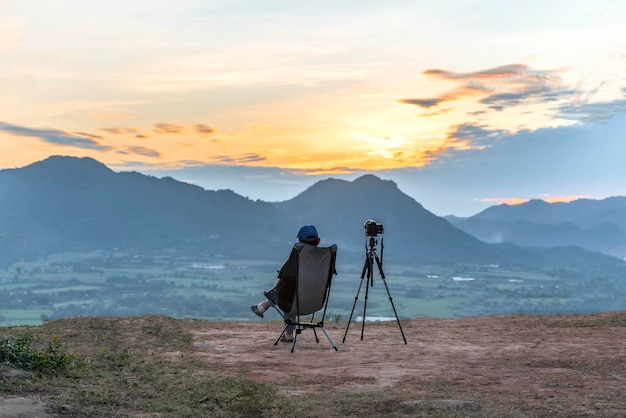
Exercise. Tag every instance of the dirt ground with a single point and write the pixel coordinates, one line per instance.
(516, 359)
(570, 363)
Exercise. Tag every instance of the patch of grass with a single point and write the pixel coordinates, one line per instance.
(129, 366)
(17, 351)
(617, 320)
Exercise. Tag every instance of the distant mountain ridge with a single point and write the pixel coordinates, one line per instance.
(78, 204)
(69, 204)
(595, 225)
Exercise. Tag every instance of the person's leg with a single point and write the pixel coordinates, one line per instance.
(260, 308)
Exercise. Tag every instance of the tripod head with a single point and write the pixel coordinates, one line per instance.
(372, 230)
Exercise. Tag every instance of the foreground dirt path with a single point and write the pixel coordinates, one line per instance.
(526, 360)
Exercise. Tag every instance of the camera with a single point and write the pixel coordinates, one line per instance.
(372, 228)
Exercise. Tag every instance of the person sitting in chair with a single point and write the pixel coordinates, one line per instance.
(306, 235)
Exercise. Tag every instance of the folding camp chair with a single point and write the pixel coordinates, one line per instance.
(314, 268)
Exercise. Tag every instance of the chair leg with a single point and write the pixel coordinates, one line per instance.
(330, 339)
(281, 335)
(295, 338)
(298, 331)
(313, 327)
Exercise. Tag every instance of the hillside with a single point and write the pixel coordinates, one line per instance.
(78, 204)
(594, 225)
(417, 234)
(502, 366)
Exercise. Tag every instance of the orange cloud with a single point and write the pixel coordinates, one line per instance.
(499, 88)
(565, 199)
(121, 130)
(204, 129)
(146, 152)
(504, 71)
(425, 103)
(514, 201)
(168, 128)
(161, 128)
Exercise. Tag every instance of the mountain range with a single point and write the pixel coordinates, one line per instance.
(78, 204)
(595, 225)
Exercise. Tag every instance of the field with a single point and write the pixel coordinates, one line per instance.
(97, 284)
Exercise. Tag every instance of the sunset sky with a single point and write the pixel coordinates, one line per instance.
(464, 104)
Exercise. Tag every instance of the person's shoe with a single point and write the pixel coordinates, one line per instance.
(286, 338)
(255, 309)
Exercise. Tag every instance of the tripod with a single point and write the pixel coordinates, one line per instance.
(368, 272)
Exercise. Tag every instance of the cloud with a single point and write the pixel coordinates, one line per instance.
(504, 71)
(121, 130)
(146, 152)
(125, 131)
(172, 128)
(468, 90)
(241, 159)
(527, 92)
(57, 137)
(336, 170)
(565, 199)
(537, 93)
(168, 128)
(88, 135)
(161, 128)
(499, 87)
(475, 136)
(588, 112)
(425, 103)
(204, 129)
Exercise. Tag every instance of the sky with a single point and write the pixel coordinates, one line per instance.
(464, 104)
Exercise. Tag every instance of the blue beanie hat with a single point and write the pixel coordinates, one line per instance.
(308, 234)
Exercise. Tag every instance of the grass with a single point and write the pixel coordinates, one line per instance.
(609, 321)
(118, 372)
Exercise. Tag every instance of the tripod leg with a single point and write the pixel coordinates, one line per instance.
(382, 275)
(370, 281)
(356, 297)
